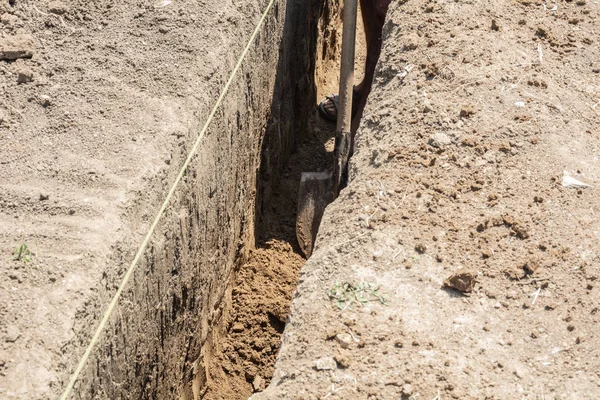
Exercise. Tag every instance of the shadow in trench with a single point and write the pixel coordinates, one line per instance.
(297, 139)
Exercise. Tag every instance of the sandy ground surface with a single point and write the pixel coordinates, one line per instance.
(97, 102)
(481, 116)
(480, 112)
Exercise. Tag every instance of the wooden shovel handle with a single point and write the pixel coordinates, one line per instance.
(344, 119)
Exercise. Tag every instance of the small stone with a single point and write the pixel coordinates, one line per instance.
(439, 140)
(325, 364)
(467, 110)
(44, 197)
(535, 334)
(343, 360)
(462, 280)
(407, 389)
(344, 339)
(258, 383)
(495, 26)
(57, 7)
(71, 212)
(237, 327)
(486, 252)
(542, 31)
(24, 75)
(505, 147)
(45, 100)
(531, 265)
(19, 46)
(12, 333)
(163, 29)
(427, 106)
(420, 248)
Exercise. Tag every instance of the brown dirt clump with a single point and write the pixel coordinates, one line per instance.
(244, 358)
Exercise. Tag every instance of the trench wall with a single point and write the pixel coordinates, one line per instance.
(153, 345)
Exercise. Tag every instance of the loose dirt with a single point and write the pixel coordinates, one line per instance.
(242, 357)
(478, 112)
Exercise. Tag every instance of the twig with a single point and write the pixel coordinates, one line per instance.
(38, 10)
(333, 390)
(535, 295)
(536, 280)
(350, 240)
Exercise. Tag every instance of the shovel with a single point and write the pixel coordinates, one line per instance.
(318, 189)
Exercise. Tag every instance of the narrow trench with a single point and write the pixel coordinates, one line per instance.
(241, 360)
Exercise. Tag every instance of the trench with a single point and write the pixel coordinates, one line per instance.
(242, 356)
(205, 316)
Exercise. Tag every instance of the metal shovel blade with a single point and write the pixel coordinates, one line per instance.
(314, 194)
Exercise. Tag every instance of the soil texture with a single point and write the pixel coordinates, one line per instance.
(462, 259)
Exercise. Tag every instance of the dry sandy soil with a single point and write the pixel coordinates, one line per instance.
(479, 111)
(99, 103)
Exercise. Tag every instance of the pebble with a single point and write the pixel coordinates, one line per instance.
(344, 339)
(325, 364)
(24, 75)
(343, 360)
(44, 197)
(439, 140)
(467, 110)
(407, 389)
(258, 383)
(427, 106)
(45, 100)
(12, 333)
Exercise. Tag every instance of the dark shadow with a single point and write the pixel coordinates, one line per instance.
(291, 145)
(454, 293)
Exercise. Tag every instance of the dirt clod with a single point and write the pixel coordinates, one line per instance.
(258, 383)
(467, 110)
(57, 7)
(24, 75)
(325, 364)
(15, 47)
(462, 280)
